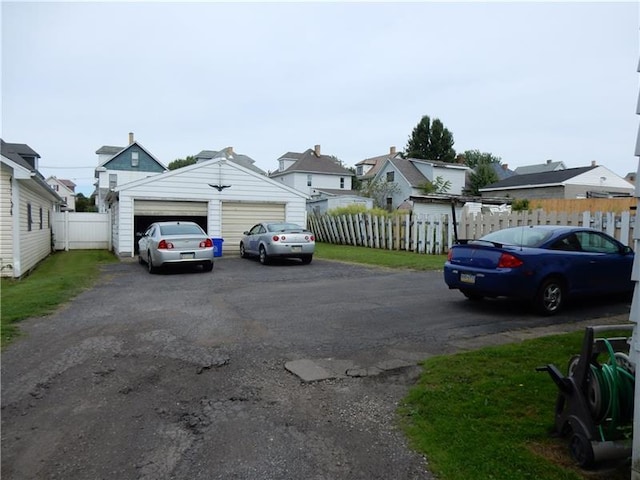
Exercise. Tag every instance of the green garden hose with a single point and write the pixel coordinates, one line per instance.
(611, 395)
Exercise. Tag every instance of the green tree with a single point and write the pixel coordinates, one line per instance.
(84, 204)
(472, 158)
(182, 162)
(379, 190)
(438, 185)
(483, 175)
(431, 141)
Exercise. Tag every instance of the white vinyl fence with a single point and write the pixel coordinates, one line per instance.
(434, 234)
(81, 231)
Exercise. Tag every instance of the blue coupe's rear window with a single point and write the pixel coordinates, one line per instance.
(521, 236)
(283, 227)
(180, 229)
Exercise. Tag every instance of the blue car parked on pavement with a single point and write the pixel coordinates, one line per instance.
(542, 264)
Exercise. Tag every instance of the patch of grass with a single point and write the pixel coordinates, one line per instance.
(488, 414)
(380, 257)
(56, 280)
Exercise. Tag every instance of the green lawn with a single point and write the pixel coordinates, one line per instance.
(379, 257)
(55, 281)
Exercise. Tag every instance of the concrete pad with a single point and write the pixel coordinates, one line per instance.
(308, 371)
(336, 366)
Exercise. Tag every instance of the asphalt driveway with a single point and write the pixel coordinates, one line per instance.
(182, 375)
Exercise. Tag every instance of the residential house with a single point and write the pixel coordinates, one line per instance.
(67, 191)
(366, 169)
(410, 175)
(582, 182)
(120, 165)
(311, 172)
(26, 206)
(322, 177)
(228, 154)
(224, 197)
(548, 166)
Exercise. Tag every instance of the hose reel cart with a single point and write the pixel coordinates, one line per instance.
(595, 400)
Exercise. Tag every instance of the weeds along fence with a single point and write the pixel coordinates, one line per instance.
(434, 234)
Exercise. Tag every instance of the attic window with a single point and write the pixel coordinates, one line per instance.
(359, 170)
(390, 176)
(135, 161)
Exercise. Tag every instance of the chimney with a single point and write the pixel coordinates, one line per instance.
(131, 138)
(392, 150)
(548, 161)
(505, 166)
(317, 150)
(593, 163)
(229, 150)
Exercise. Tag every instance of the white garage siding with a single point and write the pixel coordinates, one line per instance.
(238, 217)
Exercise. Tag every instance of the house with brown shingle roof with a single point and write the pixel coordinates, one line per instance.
(67, 191)
(311, 171)
(367, 168)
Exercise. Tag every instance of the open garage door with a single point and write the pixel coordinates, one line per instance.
(148, 211)
(238, 217)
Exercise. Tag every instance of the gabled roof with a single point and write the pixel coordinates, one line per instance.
(309, 162)
(19, 153)
(548, 166)
(409, 171)
(204, 165)
(66, 183)
(502, 171)
(377, 162)
(109, 150)
(127, 148)
(22, 155)
(407, 168)
(229, 154)
(536, 179)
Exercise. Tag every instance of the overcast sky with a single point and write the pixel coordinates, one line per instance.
(526, 82)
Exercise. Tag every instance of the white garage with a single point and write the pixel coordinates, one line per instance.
(223, 197)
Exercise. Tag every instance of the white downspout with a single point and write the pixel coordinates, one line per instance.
(634, 316)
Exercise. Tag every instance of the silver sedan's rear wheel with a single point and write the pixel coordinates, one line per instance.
(264, 258)
(151, 267)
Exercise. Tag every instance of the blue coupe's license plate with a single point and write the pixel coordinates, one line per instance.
(467, 278)
(188, 256)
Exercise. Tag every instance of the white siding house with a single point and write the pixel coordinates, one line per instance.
(65, 190)
(225, 198)
(311, 170)
(26, 206)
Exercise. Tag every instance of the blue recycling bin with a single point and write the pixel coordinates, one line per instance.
(217, 246)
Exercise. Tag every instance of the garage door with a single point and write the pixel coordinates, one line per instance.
(148, 211)
(238, 217)
(167, 208)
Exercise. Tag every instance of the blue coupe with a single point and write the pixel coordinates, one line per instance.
(542, 264)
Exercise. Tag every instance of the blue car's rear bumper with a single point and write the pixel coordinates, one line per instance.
(503, 282)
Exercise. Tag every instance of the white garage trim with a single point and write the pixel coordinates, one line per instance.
(237, 217)
(170, 208)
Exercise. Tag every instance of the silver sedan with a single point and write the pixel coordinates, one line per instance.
(267, 240)
(171, 243)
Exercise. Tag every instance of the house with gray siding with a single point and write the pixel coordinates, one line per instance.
(582, 182)
(26, 206)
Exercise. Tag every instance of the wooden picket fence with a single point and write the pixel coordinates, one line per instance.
(434, 234)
